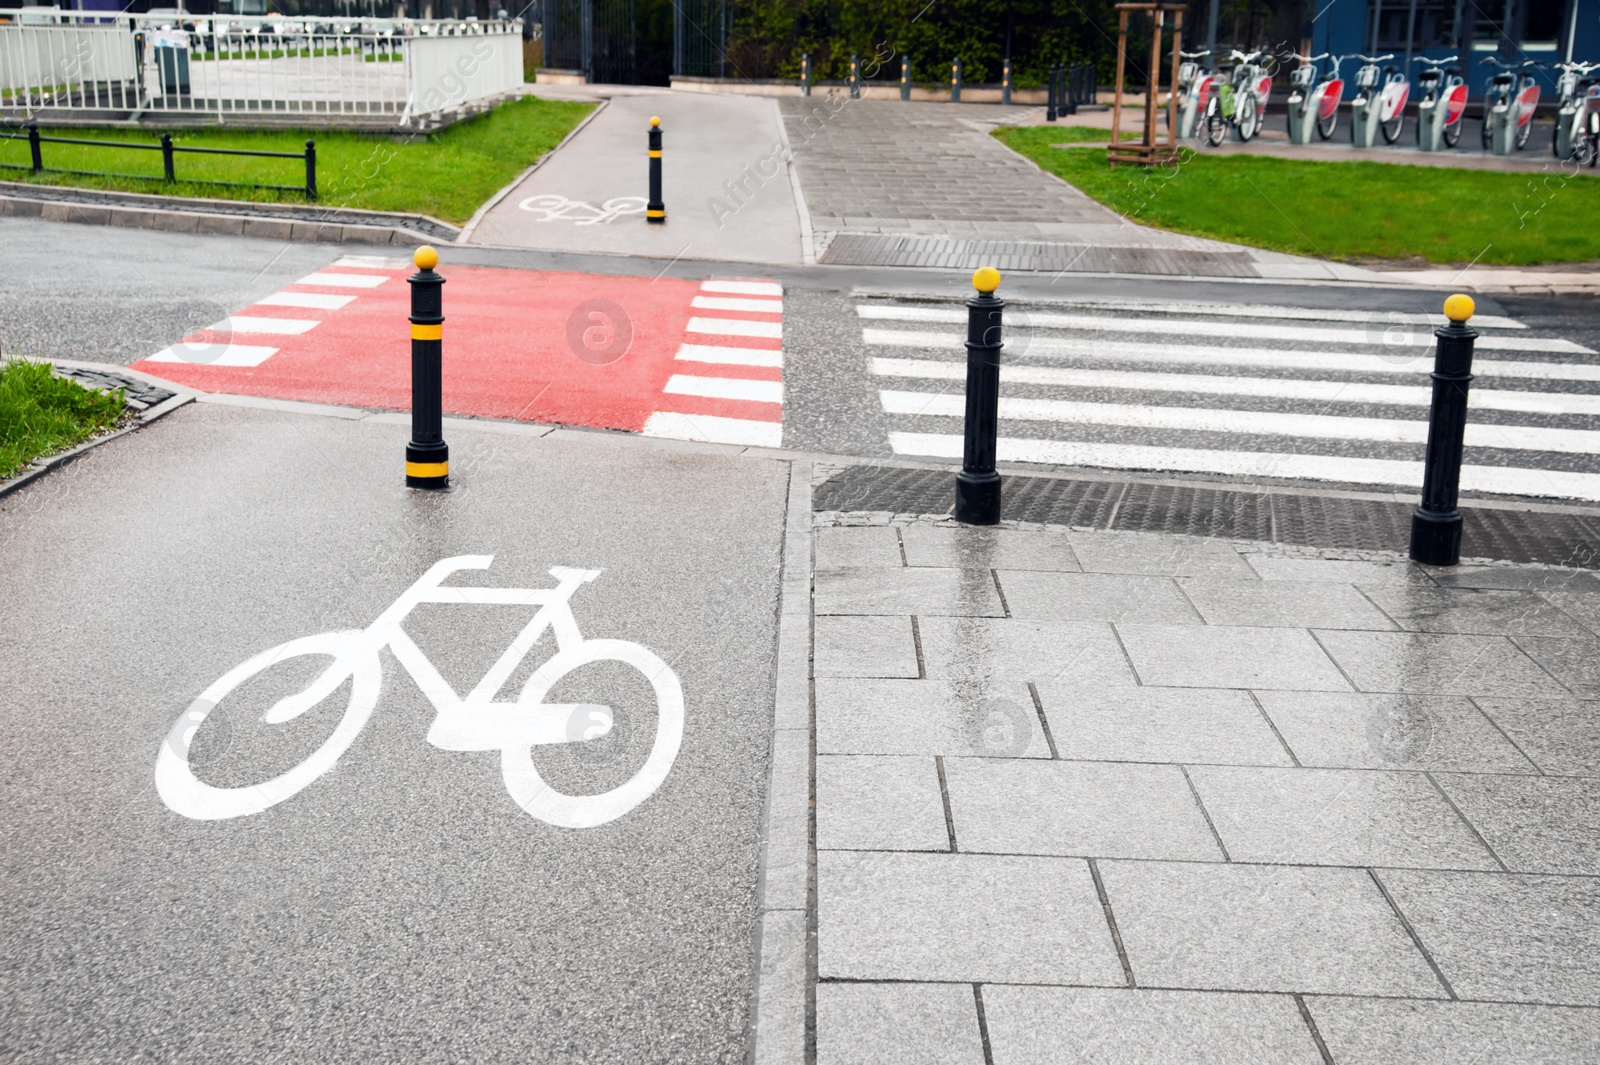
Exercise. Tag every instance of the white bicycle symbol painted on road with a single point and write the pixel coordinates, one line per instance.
(552, 208)
(474, 723)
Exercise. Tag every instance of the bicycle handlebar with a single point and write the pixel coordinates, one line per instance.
(1312, 58)
(1195, 55)
(1436, 62)
(1501, 64)
(1241, 57)
(1374, 58)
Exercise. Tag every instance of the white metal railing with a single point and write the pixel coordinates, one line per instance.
(113, 62)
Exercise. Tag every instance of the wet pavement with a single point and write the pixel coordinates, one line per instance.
(1090, 796)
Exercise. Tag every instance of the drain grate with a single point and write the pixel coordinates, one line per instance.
(876, 249)
(140, 394)
(1304, 520)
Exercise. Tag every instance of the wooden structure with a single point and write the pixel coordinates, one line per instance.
(1149, 151)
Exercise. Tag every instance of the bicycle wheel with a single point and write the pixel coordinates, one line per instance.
(1216, 127)
(522, 777)
(1488, 124)
(1452, 132)
(1249, 116)
(1325, 126)
(186, 794)
(1391, 129)
(1524, 131)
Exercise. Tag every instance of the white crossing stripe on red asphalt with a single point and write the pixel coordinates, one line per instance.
(277, 326)
(743, 288)
(741, 376)
(329, 279)
(321, 301)
(210, 354)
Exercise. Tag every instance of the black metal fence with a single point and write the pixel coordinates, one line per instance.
(618, 42)
(169, 152)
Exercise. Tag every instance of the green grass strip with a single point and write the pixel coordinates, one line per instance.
(41, 414)
(1338, 210)
(446, 174)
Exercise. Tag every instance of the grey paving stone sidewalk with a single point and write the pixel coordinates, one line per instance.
(1091, 797)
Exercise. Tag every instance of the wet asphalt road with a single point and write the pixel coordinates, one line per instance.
(401, 907)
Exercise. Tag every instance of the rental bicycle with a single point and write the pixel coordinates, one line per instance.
(1240, 102)
(1441, 103)
(1509, 98)
(1313, 99)
(1195, 89)
(476, 722)
(1578, 113)
(1379, 105)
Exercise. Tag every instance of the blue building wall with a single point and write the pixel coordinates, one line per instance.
(1343, 27)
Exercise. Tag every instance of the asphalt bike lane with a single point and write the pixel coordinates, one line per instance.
(199, 867)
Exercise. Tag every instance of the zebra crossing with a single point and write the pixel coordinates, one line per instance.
(1264, 392)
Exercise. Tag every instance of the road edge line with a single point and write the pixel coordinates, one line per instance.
(780, 998)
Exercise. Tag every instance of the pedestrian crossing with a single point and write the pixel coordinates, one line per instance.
(1259, 391)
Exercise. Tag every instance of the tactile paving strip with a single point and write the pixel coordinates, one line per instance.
(1304, 520)
(876, 249)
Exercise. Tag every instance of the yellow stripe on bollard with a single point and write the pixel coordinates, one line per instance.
(655, 214)
(427, 332)
(427, 469)
(655, 153)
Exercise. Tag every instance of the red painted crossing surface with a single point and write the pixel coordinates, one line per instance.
(705, 360)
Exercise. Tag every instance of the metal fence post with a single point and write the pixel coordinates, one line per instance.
(855, 78)
(905, 77)
(655, 212)
(311, 170)
(34, 147)
(1069, 87)
(805, 73)
(955, 81)
(978, 485)
(1050, 95)
(167, 169)
(1436, 524)
(1005, 82)
(427, 456)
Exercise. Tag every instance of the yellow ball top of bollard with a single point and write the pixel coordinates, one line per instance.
(986, 279)
(1459, 308)
(655, 120)
(426, 258)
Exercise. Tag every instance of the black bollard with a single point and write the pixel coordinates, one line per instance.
(855, 78)
(905, 77)
(978, 485)
(805, 73)
(655, 212)
(1436, 524)
(427, 457)
(1068, 92)
(1005, 82)
(1050, 95)
(955, 81)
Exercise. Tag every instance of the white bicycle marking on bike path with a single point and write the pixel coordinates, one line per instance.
(554, 208)
(474, 723)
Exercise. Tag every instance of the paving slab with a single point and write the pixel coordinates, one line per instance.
(1365, 1031)
(1216, 656)
(884, 590)
(1263, 928)
(910, 717)
(961, 917)
(1044, 596)
(979, 548)
(1092, 809)
(1437, 665)
(1048, 1025)
(1148, 724)
(1535, 824)
(1509, 938)
(1575, 663)
(1336, 571)
(1014, 649)
(1372, 731)
(1336, 817)
(864, 545)
(886, 1024)
(865, 646)
(1167, 556)
(1289, 604)
(1559, 735)
(1489, 612)
(868, 802)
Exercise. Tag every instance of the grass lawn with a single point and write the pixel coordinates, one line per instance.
(1080, 134)
(446, 174)
(1342, 210)
(41, 414)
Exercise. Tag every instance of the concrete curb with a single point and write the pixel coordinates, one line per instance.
(779, 1000)
(42, 466)
(477, 216)
(57, 203)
